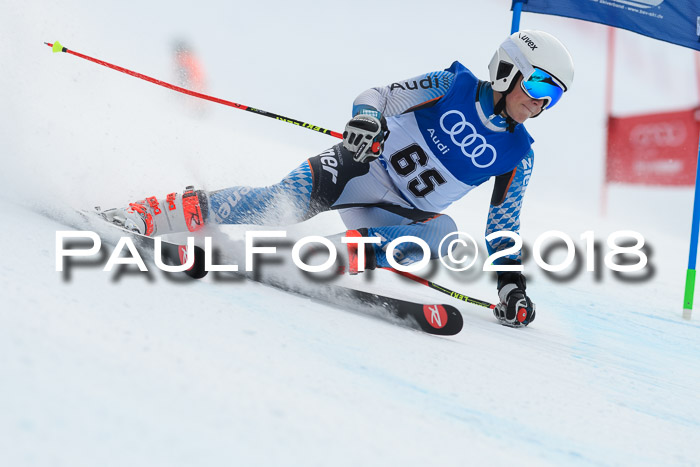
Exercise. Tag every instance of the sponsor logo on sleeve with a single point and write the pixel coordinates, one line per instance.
(429, 82)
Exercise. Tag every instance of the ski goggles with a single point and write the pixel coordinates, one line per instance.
(542, 85)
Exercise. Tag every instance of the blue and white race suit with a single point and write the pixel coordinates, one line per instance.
(443, 141)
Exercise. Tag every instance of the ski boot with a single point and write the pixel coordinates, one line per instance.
(150, 217)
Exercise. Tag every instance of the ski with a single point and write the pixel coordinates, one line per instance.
(172, 253)
(432, 318)
(436, 318)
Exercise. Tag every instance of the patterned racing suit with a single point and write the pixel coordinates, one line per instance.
(443, 141)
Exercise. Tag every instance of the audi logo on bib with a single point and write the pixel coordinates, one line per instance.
(465, 136)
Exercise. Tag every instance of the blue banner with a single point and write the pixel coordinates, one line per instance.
(675, 21)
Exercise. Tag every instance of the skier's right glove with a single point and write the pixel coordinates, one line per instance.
(515, 309)
(364, 137)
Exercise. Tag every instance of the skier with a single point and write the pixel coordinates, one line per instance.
(410, 150)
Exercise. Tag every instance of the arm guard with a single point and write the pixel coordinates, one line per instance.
(504, 212)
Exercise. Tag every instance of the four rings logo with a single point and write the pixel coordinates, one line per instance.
(464, 135)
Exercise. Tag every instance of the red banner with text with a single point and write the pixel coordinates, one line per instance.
(654, 149)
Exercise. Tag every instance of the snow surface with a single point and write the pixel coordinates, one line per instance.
(133, 369)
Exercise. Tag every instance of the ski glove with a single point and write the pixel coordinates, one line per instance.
(364, 137)
(515, 309)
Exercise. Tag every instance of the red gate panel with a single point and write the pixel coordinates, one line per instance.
(653, 149)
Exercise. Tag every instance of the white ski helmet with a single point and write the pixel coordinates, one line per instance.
(523, 52)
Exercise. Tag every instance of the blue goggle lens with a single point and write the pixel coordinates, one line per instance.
(541, 85)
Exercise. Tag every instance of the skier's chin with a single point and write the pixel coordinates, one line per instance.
(523, 114)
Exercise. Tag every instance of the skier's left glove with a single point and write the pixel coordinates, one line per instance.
(515, 309)
(364, 136)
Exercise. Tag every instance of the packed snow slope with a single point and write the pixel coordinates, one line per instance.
(128, 368)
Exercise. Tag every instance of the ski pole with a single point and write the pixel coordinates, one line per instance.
(442, 289)
(57, 47)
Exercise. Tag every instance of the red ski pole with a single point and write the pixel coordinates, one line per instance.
(57, 47)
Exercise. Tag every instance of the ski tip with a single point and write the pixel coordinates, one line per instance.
(443, 320)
